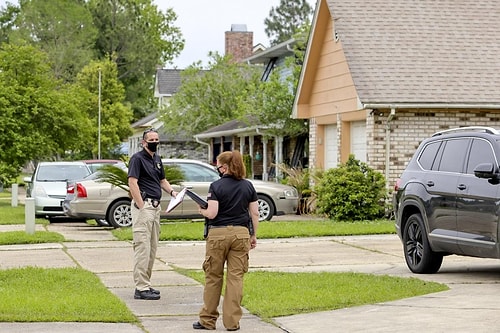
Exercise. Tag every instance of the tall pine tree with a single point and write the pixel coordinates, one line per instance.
(286, 20)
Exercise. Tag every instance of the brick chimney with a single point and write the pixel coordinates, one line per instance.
(239, 42)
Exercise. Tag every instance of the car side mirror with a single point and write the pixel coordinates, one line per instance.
(486, 170)
(27, 179)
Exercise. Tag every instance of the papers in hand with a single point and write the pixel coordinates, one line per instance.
(174, 202)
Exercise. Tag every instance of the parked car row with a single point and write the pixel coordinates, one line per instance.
(85, 196)
(102, 201)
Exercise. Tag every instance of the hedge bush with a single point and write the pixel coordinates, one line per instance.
(351, 192)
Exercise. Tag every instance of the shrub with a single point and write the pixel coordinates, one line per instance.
(352, 191)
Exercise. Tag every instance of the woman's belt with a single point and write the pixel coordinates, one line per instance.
(224, 226)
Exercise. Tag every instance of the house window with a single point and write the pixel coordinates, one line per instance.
(217, 149)
(228, 143)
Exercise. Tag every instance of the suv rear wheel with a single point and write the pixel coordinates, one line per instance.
(418, 254)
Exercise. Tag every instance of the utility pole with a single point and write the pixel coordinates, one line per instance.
(99, 120)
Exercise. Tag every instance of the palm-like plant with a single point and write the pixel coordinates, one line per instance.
(301, 179)
(118, 177)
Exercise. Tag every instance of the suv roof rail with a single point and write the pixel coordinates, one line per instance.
(484, 129)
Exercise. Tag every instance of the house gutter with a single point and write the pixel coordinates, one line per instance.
(388, 144)
(430, 106)
(244, 130)
(206, 144)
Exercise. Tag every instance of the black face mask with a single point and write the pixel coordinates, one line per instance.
(153, 145)
(218, 171)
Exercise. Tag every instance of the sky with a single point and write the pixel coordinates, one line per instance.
(203, 23)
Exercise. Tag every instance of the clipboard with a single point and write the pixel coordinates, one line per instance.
(174, 202)
(197, 198)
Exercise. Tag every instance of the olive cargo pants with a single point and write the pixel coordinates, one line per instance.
(226, 244)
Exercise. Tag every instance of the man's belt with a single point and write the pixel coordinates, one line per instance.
(154, 202)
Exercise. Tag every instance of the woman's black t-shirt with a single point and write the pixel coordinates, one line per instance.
(233, 196)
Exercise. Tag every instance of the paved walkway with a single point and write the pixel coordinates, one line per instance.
(470, 305)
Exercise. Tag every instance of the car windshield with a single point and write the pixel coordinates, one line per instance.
(197, 173)
(62, 172)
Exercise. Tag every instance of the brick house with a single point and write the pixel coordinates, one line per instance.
(380, 76)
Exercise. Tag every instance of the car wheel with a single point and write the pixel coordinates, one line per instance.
(266, 208)
(418, 254)
(102, 222)
(119, 215)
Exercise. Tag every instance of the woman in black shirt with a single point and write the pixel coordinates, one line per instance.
(233, 219)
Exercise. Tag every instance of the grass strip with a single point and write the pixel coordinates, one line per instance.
(275, 294)
(34, 294)
(187, 231)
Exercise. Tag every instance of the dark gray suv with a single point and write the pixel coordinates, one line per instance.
(447, 200)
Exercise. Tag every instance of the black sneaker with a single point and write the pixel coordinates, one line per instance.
(154, 291)
(146, 294)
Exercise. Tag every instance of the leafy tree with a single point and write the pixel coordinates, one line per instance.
(115, 115)
(61, 28)
(286, 20)
(40, 119)
(8, 15)
(137, 37)
(208, 98)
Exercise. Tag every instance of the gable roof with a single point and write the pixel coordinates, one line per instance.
(168, 81)
(423, 51)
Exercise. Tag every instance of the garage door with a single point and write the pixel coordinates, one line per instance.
(331, 149)
(358, 140)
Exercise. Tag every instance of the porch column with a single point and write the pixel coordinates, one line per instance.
(242, 145)
(265, 174)
(279, 156)
(250, 152)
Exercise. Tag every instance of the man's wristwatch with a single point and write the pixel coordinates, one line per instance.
(171, 192)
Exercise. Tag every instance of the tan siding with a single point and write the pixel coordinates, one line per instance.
(324, 109)
(333, 88)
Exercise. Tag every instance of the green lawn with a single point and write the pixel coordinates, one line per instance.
(58, 295)
(71, 294)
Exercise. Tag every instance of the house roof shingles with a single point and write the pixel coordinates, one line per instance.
(169, 81)
(421, 51)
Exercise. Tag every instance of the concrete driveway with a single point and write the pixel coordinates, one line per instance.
(471, 304)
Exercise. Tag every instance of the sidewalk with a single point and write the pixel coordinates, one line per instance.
(470, 304)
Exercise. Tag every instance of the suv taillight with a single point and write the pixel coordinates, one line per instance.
(398, 183)
(70, 189)
(81, 192)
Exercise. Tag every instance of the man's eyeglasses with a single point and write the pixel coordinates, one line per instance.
(147, 131)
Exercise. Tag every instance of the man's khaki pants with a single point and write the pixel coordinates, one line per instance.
(229, 244)
(146, 233)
